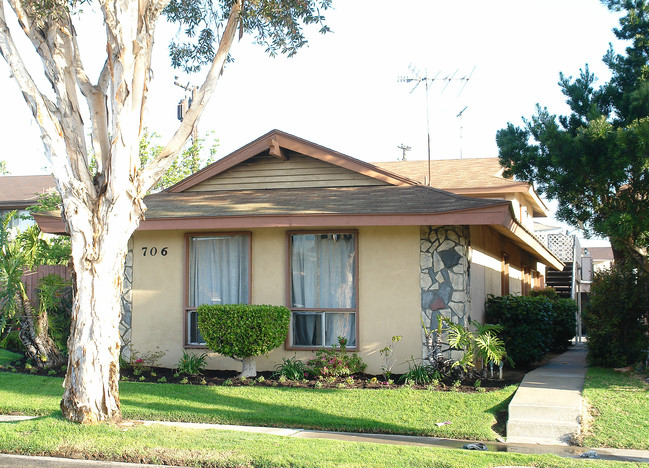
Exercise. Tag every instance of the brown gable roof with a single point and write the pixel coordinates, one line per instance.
(471, 177)
(448, 174)
(19, 192)
(375, 200)
(275, 143)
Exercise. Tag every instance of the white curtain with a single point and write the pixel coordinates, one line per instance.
(322, 276)
(340, 324)
(218, 274)
(218, 270)
(323, 271)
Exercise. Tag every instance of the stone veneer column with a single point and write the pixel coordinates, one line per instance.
(445, 269)
(127, 301)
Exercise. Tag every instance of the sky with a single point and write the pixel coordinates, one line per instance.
(343, 90)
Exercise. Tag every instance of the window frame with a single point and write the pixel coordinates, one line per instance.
(526, 280)
(186, 308)
(355, 310)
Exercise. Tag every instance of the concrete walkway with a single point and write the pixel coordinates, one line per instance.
(546, 408)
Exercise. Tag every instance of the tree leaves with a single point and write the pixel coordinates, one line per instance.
(595, 160)
(276, 25)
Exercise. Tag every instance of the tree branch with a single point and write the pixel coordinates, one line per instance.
(157, 167)
(52, 40)
(43, 110)
(96, 99)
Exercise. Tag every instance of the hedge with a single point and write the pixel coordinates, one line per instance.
(617, 317)
(241, 330)
(532, 326)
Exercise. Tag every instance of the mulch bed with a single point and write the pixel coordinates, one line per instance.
(267, 379)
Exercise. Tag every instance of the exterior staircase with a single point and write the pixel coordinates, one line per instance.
(561, 281)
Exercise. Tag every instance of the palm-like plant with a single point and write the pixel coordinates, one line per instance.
(481, 345)
(15, 256)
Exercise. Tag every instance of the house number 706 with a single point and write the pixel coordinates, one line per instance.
(153, 251)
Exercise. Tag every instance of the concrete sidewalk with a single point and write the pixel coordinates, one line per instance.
(546, 408)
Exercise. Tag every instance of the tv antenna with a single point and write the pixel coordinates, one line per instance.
(404, 148)
(459, 115)
(428, 81)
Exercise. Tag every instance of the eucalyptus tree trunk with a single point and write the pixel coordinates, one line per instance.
(99, 251)
(103, 207)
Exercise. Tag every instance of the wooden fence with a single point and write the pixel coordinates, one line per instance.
(31, 278)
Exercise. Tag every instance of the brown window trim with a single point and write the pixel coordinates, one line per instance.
(504, 273)
(355, 310)
(186, 308)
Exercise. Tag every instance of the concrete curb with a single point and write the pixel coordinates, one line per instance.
(638, 456)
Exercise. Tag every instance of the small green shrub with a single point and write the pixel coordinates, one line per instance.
(192, 364)
(616, 317)
(335, 362)
(483, 344)
(241, 330)
(292, 369)
(420, 373)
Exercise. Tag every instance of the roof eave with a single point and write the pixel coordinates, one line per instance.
(528, 242)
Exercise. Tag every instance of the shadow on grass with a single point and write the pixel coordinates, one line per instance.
(240, 410)
(241, 407)
(411, 412)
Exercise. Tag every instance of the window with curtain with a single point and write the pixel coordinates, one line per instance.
(323, 278)
(218, 270)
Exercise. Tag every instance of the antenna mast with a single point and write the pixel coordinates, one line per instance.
(417, 78)
(459, 115)
(404, 148)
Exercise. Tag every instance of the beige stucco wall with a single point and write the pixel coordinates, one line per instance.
(486, 250)
(389, 293)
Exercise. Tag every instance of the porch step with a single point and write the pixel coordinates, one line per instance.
(548, 432)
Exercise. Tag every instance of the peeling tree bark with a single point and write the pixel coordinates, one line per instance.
(102, 209)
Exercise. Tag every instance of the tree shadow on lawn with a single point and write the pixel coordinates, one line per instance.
(217, 408)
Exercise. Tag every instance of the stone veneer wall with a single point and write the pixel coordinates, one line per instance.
(445, 269)
(127, 301)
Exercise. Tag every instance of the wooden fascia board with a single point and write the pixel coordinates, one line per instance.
(542, 211)
(50, 223)
(527, 241)
(493, 215)
(525, 189)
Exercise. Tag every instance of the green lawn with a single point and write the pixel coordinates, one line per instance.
(401, 411)
(620, 405)
(50, 435)
(389, 411)
(7, 357)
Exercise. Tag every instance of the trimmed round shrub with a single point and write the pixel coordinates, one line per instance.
(617, 317)
(241, 330)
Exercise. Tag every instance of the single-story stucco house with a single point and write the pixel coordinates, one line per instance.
(352, 249)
